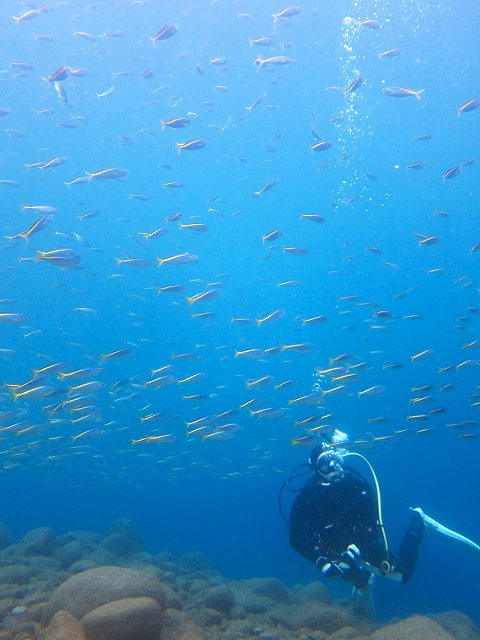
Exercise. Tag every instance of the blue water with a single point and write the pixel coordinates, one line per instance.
(219, 493)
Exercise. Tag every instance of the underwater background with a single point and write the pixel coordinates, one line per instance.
(375, 272)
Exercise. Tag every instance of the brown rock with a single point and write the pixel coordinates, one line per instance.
(459, 625)
(313, 615)
(90, 589)
(269, 587)
(176, 627)
(127, 619)
(14, 574)
(38, 542)
(313, 591)
(413, 628)
(345, 633)
(64, 626)
(219, 598)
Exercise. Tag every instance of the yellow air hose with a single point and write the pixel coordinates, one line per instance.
(386, 566)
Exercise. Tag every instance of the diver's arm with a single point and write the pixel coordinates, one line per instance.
(306, 526)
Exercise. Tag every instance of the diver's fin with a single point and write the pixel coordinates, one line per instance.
(440, 528)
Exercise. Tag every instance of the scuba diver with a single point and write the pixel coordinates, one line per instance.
(336, 523)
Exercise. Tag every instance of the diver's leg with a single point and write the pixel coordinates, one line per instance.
(362, 600)
(408, 553)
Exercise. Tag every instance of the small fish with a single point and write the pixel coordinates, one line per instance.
(24, 66)
(475, 247)
(300, 347)
(171, 288)
(119, 354)
(106, 93)
(415, 165)
(289, 12)
(266, 187)
(159, 382)
(86, 36)
(470, 105)
(250, 353)
(369, 23)
(313, 217)
(29, 15)
(353, 86)
(86, 372)
(274, 61)
(427, 240)
(311, 399)
(50, 164)
(273, 235)
(180, 258)
(261, 382)
(113, 173)
(37, 226)
(403, 92)
(196, 227)
(389, 53)
(322, 145)
(60, 74)
(210, 294)
(422, 137)
(173, 184)
(62, 258)
(133, 262)
(175, 123)
(278, 314)
(12, 318)
(427, 353)
(196, 377)
(261, 42)
(191, 145)
(295, 251)
(372, 391)
(451, 173)
(258, 100)
(166, 32)
(166, 438)
(219, 62)
(314, 320)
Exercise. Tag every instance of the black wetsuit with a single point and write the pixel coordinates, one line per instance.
(326, 518)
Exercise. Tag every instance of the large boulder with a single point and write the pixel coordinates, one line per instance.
(177, 627)
(312, 591)
(64, 626)
(193, 561)
(126, 619)
(90, 589)
(5, 536)
(14, 574)
(252, 602)
(68, 553)
(125, 528)
(459, 625)
(38, 542)
(313, 615)
(269, 587)
(219, 598)
(413, 628)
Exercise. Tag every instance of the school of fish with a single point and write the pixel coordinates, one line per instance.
(165, 276)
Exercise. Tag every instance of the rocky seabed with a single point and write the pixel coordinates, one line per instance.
(85, 586)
